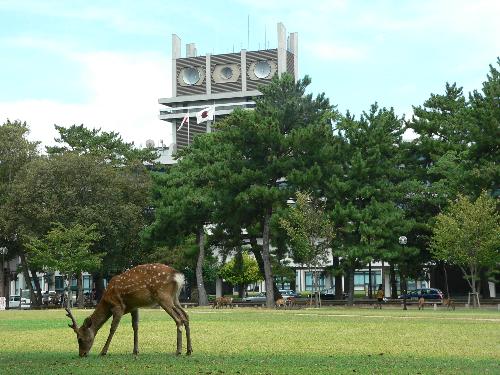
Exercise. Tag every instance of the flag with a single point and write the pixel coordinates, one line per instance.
(185, 120)
(205, 114)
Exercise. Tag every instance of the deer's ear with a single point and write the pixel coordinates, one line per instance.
(87, 323)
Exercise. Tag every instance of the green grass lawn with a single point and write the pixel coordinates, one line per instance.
(259, 341)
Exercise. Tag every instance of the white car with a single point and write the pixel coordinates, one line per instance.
(15, 300)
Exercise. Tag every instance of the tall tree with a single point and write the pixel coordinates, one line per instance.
(67, 250)
(311, 234)
(186, 199)
(468, 234)
(364, 189)
(80, 189)
(15, 151)
(268, 148)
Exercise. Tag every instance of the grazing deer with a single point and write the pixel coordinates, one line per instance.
(290, 302)
(280, 302)
(221, 302)
(141, 286)
(449, 303)
(421, 303)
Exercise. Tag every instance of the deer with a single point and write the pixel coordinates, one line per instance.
(421, 303)
(449, 303)
(280, 303)
(220, 302)
(141, 286)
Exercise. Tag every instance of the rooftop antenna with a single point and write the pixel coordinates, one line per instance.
(265, 37)
(248, 32)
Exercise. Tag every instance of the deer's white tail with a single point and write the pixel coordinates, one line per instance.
(179, 279)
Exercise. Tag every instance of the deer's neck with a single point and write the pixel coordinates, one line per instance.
(100, 315)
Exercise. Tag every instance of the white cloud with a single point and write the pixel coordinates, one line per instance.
(332, 51)
(123, 91)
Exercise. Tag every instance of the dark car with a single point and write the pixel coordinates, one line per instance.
(427, 293)
(330, 294)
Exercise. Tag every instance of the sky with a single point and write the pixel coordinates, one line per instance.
(104, 64)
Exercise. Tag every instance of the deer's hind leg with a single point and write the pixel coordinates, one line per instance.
(185, 320)
(168, 305)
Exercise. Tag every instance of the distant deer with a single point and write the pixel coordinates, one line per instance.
(140, 286)
(421, 303)
(290, 302)
(449, 303)
(280, 303)
(221, 302)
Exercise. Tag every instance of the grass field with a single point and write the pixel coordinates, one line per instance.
(259, 341)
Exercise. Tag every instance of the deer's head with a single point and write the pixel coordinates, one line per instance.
(84, 334)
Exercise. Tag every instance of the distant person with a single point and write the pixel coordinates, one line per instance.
(380, 297)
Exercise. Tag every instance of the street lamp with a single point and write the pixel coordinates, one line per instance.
(403, 241)
(3, 251)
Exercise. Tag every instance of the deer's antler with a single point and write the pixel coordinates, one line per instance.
(70, 315)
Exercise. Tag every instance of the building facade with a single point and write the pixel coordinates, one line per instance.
(223, 82)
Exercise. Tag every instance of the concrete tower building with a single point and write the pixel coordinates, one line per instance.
(221, 82)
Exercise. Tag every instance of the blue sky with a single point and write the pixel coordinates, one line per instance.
(106, 63)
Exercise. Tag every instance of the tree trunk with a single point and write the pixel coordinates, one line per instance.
(2, 281)
(202, 294)
(67, 295)
(370, 286)
(338, 279)
(350, 297)
(483, 283)
(266, 258)
(257, 252)
(394, 285)
(36, 294)
(403, 290)
(446, 281)
(99, 286)
(79, 286)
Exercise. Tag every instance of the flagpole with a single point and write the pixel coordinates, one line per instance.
(188, 128)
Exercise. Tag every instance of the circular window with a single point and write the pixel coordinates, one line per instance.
(262, 69)
(226, 72)
(190, 75)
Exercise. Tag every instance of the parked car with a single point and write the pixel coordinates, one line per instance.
(330, 294)
(427, 293)
(261, 297)
(50, 297)
(286, 294)
(14, 301)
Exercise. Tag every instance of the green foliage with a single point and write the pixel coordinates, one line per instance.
(468, 234)
(242, 272)
(309, 229)
(80, 189)
(65, 249)
(15, 152)
(108, 146)
(363, 194)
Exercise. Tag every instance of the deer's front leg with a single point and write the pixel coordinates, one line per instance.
(117, 315)
(135, 327)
